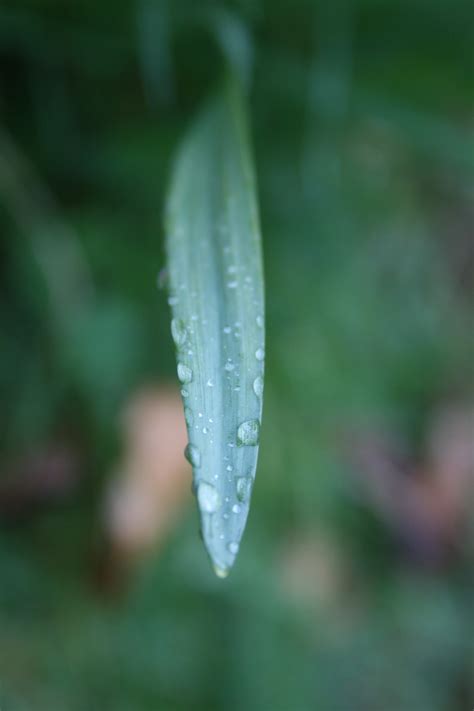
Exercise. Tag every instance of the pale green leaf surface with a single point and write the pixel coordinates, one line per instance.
(217, 300)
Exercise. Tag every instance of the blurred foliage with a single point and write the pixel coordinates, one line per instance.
(361, 124)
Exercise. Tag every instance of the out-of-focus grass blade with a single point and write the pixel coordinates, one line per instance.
(217, 301)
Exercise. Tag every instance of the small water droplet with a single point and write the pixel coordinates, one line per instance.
(184, 392)
(229, 468)
(229, 366)
(173, 300)
(258, 386)
(259, 354)
(210, 383)
(221, 572)
(248, 433)
(185, 374)
(205, 430)
(233, 547)
(259, 321)
(200, 414)
(244, 487)
(178, 331)
(232, 269)
(236, 508)
(227, 329)
(232, 284)
(193, 455)
(208, 498)
(188, 416)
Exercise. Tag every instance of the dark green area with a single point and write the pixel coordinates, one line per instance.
(360, 118)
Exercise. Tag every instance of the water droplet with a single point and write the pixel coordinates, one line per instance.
(193, 455)
(258, 386)
(185, 374)
(248, 433)
(227, 329)
(236, 508)
(205, 430)
(232, 284)
(244, 487)
(229, 366)
(208, 498)
(229, 468)
(259, 354)
(178, 331)
(233, 547)
(232, 269)
(173, 300)
(184, 392)
(188, 416)
(221, 572)
(259, 321)
(200, 414)
(210, 383)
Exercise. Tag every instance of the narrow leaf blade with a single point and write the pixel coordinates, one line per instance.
(217, 301)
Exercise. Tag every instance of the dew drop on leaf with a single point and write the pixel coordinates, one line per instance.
(193, 455)
(185, 374)
(178, 332)
(248, 433)
(244, 487)
(258, 386)
(208, 498)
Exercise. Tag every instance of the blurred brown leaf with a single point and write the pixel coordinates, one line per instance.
(152, 484)
(425, 503)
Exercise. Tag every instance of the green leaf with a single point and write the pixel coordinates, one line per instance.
(217, 300)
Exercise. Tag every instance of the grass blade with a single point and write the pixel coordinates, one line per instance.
(217, 300)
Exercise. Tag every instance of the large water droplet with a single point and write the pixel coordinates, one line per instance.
(193, 455)
(259, 354)
(244, 487)
(208, 498)
(233, 547)
(178, 332)
(185, 374)
(248, 433)
(258, 386)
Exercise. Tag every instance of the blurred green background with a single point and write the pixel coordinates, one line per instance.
(353, 588)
